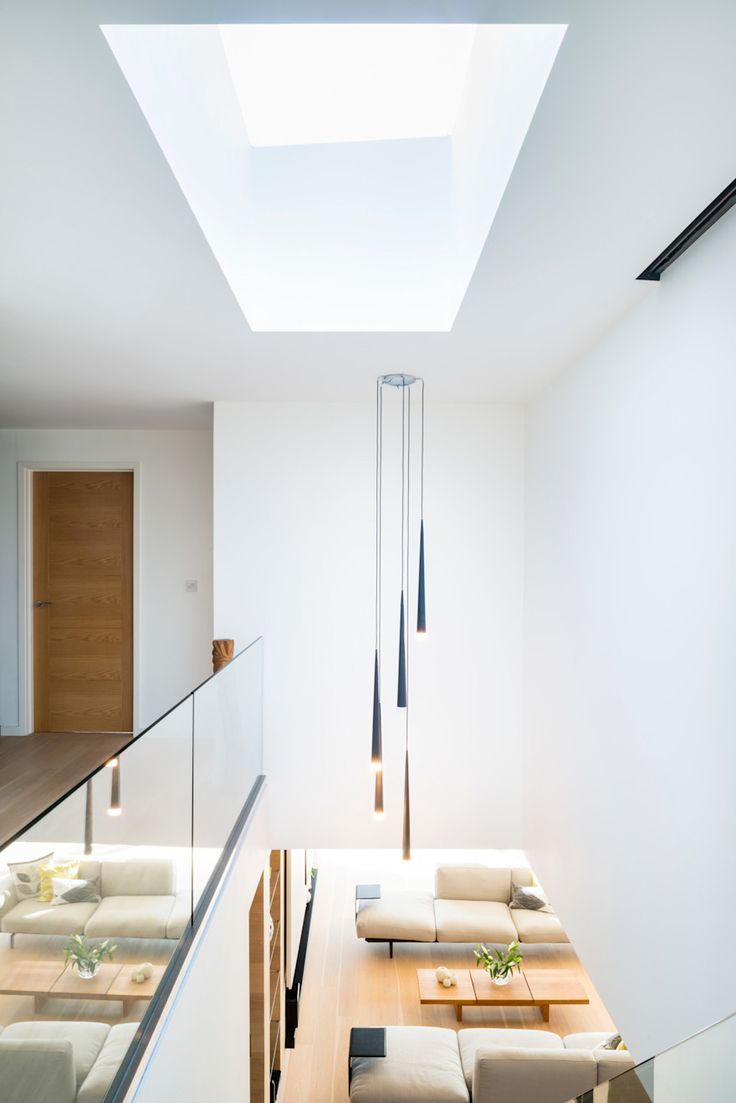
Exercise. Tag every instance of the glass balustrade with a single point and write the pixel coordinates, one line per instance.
(96, 896)
(696, 1070)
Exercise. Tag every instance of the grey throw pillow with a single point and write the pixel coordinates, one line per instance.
(27, 876)
(613, 1042)
(74, 890)
(529, 898)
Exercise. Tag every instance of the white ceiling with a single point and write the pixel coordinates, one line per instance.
(114, 312)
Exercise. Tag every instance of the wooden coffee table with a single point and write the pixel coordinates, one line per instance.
(431, 991)
(52, 980)
(540, 988)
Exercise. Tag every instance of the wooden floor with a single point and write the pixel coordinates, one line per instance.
(351, 983)
(35, 770)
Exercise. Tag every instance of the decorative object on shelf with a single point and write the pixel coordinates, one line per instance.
(143, 973)
(446, 977)
(87, 957)
(499, 964)
(403, 383)
(271, 928)
(223, 652)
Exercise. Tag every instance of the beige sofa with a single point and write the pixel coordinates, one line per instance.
(436, 1065)
(470, 904)
(138, 901)
(61, 1062)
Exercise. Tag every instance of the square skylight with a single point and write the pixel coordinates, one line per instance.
(345, 176)
(307, 83)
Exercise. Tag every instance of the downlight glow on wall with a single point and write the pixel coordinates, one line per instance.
(345, 176)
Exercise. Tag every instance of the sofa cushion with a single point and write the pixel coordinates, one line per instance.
(41, 1072)
(473, 921)
(103, 1071)
(610, 1062)
(179, 916)
(421, 1063)
(522, 875)
(472, 883)
(408, 915)
(142, 878)
(537, 926)
(470, 1041)
(589, 1039)
(129, 917)
(524, 1075)
(86, 1040)
(32, 917)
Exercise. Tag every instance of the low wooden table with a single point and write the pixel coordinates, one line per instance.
(531, 988)
(433, 992)
(52, 980)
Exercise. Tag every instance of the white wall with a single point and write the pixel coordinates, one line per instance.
(173, 543)
(630, 817)
(294, 560)
(202, 1052)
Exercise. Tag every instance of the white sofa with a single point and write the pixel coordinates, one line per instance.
(60, 1062)
(470, 904)
(138, 901)
(436, 1065)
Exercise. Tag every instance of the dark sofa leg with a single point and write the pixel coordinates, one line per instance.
(12, 941)
(390, 949)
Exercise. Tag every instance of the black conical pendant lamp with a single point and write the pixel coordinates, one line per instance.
(401, 691)
(377, 734)
(376, 741)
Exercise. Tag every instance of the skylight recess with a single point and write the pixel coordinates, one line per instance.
(344, 176)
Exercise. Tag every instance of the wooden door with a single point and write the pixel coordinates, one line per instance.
(83, 601)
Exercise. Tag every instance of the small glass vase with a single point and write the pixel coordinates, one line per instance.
(501, 980)
(87, 969)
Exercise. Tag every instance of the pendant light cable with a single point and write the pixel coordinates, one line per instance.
(403, 477)
(406, 834)
(421, 462)
(379, 495)
(377, 735)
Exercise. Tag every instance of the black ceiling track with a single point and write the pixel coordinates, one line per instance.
(691, 233)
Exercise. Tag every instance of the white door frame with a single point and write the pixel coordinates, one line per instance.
(25, 577)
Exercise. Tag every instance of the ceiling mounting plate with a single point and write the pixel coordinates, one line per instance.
(398, 380)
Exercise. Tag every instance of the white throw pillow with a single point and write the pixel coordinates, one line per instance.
(27, 876)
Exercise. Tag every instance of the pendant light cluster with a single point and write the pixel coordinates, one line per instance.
(402, 383)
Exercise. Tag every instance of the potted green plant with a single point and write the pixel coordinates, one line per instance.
(499, 964)
(87, 957)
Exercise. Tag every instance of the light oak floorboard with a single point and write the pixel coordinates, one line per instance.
(351, 983)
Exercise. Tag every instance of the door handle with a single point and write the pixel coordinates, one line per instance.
(40, 604)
